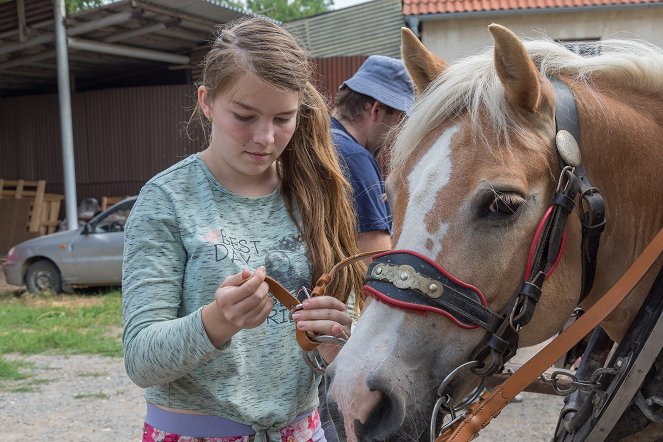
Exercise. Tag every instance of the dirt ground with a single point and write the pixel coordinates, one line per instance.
(83, 398)
(4, 287)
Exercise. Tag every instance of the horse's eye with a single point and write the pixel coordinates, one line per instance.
(502, 205)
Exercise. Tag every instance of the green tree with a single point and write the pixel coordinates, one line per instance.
(77, 5)
(286, 10)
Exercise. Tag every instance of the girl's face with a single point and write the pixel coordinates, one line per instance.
(252, 123)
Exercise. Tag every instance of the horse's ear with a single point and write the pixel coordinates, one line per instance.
(423, 65)
(516, 70)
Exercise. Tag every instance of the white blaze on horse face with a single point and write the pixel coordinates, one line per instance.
(367, 354)
(429, 176)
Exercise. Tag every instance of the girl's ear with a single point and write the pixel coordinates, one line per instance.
(203, 97)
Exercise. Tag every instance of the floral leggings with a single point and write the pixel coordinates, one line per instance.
(306, 430)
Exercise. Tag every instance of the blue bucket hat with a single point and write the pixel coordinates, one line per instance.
(384, 79)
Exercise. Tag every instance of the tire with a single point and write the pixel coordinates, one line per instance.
(43, 276)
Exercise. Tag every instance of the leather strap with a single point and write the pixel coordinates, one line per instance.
(491, 403)
(290, 302)
(593, 207)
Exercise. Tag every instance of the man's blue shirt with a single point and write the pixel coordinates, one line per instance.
(361, 169)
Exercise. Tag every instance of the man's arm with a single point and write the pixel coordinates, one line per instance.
(373, 240)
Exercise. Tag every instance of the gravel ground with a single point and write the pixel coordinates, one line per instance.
(84, 398)
(72, 398)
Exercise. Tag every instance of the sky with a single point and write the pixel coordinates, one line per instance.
(338, 4)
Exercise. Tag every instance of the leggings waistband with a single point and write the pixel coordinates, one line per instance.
(196, 425)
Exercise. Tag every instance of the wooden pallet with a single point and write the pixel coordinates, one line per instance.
(45, 209)
(107, 201)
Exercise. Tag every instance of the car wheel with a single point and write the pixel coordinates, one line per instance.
(43, 276)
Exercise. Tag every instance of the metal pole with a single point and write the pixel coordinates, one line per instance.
(66, 127)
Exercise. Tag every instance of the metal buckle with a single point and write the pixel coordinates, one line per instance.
(444, 400)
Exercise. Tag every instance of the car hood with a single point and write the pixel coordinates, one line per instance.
(48, 240)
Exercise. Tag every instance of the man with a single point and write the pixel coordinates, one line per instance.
(368, 106)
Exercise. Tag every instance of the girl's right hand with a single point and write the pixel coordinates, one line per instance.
(241, 301)
(242, 298)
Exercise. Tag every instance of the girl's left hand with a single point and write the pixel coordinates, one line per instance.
(324, 315)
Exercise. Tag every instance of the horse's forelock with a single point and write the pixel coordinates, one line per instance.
(471, 86)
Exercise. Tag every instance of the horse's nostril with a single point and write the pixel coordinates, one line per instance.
(387, 415)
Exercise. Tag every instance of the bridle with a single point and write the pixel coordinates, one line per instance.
(408, 280)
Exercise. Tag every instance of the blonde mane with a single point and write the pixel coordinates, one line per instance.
(471, 85)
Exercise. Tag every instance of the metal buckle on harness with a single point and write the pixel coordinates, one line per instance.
(313, 358)
(444, 400)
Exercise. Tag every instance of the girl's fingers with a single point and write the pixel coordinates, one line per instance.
(252, 284)
(233, 293)
(324, 302)
(341, 332)
(255, 299)
(326, 315)
(236, 279)
(332, 328)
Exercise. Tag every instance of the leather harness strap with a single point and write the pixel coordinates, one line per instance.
(491, 404)
(592, 205)
(290, 302)
(306, 342)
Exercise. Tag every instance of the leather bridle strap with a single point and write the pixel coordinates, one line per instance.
(491, 404)
(592, 205)
(290, 302)
(306, 342)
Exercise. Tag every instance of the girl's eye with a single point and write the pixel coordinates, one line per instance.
(242, 117)
(282, 120)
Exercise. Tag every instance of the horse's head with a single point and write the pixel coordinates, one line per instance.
(473, 173)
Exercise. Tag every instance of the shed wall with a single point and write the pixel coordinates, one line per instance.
(122, 136)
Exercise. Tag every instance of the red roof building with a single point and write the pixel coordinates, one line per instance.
(421, 7)
(456, 28)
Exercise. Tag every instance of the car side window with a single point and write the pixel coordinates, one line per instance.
(114, 221)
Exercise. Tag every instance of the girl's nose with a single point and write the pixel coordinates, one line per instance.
(264, 134)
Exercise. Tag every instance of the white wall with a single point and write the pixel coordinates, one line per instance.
(459, 37)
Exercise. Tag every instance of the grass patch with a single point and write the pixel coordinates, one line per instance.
(97, 395)
(58, 324)
(11, 370)
(62, 324)
(30, 386)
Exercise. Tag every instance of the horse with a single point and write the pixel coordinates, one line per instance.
(473, 171)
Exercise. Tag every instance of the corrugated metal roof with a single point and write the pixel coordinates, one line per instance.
(422, 7)
(36, 11)
(118, 40)
(366, 29)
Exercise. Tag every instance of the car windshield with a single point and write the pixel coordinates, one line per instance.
(114, 220)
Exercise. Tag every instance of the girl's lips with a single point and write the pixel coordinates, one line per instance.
(258, 156)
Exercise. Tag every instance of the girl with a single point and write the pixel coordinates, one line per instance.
(217, 356)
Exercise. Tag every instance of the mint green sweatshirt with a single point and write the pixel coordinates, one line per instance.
(185, 234)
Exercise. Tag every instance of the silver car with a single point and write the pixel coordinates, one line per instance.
(88, 256)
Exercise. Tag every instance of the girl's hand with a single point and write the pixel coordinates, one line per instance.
(324, 315)
(241, 301)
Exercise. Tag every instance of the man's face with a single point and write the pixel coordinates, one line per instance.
(380, 133)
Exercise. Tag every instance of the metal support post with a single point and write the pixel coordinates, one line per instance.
(66, 126)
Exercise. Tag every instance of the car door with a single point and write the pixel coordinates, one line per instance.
(97, 252)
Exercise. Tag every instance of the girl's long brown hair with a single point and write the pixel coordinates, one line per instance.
(312, 181)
